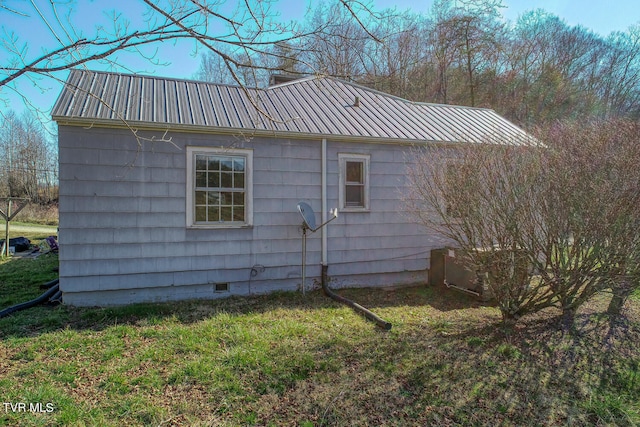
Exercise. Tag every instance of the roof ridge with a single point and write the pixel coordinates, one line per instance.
(399, 98)
(466, 107)
(377, 91)
(176, 79)
(281, 85)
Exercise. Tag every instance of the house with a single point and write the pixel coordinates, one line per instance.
(175, 189)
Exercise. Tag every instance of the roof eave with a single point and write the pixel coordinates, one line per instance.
(166, 127)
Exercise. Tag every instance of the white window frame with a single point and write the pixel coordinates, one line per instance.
(343, 158)
(191, 186)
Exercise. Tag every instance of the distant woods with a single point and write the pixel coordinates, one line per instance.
(28, 160)
(533, 71)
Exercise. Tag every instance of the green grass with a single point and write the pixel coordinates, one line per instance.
(20, 279)
(284, 359)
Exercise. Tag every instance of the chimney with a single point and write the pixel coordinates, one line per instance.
(276, 79)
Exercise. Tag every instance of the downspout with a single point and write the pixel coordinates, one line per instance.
(324, 261)
(323, 159)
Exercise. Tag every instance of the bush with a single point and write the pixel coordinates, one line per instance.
(479, 197)
(591, 207)
(569, 209)
(39, 214)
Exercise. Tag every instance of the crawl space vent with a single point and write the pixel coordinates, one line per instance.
(221, 287)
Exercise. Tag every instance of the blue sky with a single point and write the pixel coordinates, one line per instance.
(601, 16)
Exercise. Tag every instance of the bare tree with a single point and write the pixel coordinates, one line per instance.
(391, 65)
(548, 225)
(479, 198)
(28, 163)
(235, 34)
(620, 74)
(443, 48)
(466, 34)
(339, 49)
(214, 69)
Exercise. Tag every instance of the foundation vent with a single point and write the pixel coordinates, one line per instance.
(221, 287)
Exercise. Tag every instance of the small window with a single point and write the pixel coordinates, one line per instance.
(354, 182)
(219, 187)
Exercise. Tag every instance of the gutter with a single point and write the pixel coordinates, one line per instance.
(249, 133)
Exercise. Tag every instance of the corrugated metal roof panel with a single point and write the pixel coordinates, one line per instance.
(308, 106)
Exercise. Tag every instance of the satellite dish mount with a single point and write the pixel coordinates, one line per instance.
(309, 223)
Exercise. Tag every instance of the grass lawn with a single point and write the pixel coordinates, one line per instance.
(284, 359)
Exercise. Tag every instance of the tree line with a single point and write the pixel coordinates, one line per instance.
(28, 155)
(533, 71)
(28, 160)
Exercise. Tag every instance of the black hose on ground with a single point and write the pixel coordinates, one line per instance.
(357, 307)
(50, 284)
(56, 298)
(22, 306)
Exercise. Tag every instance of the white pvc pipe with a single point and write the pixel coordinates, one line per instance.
(324, 200)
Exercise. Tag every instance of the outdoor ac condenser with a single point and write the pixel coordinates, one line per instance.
(448, 268)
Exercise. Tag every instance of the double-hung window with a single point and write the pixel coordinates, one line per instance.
(219, 187)
(354, 182)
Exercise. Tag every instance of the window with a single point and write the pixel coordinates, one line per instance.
(354, 182)
(219, 187)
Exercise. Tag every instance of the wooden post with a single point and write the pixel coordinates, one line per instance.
(8, 216)
(6, 230)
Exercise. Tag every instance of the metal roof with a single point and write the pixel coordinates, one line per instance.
(312, 106)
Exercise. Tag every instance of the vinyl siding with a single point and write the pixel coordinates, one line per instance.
(123, 228)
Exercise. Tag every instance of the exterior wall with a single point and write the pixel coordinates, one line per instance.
(123, 234)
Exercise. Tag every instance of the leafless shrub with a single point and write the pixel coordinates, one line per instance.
(547, 225)
(39, 214)
(480, 197)
(591, 208)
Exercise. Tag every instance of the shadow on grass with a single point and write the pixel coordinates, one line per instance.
(438, 367)
(534, 374)
(439, 297)
(43, 319)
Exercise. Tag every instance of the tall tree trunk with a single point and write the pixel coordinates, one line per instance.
(470, 72)
(568, 318)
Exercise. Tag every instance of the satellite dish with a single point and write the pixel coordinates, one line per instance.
(308, 216)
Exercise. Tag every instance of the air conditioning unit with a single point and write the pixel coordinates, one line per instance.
(449, 269)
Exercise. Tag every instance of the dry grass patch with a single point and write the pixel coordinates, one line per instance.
(287, 360)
